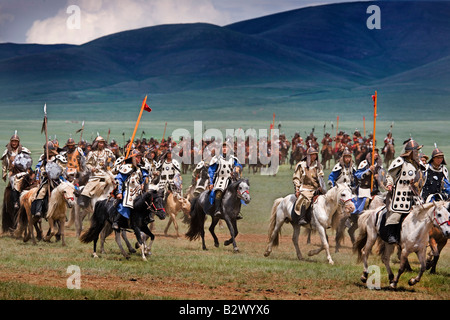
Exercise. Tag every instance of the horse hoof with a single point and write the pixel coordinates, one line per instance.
(266, 254)
(236, 250)
(94, 255)
(393, 285)
(132, 251)
(216, 245)
(412, 281)
(331, 262)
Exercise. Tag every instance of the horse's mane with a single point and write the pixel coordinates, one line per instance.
(57, 200)
(234, 185)
(420, 211)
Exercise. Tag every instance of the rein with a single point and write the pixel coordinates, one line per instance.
(435, 219)
(154, 207)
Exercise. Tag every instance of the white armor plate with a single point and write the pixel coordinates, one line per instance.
(132, 188)
(223, 173)
(402, 196)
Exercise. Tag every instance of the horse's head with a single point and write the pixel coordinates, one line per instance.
(155, 203)
(68, 190)
(345, 196)
(441, 217)
(243, 191)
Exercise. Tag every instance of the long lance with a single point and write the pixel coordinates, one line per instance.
(164, 134)
(44, 129)
(374, 97)
(107, 138)
(364, 124)
(81, 132)
(136, 127)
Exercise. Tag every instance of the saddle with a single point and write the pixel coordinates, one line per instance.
(380, 223)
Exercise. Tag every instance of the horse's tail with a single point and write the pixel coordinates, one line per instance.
(273, 222)
(97, 223)
(197, 222)
(362, 236)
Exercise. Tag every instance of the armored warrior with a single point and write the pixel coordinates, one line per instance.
(76, 161)
(16, 160)
(404, 174)
(200, 178)
(99, 161)
(308, 180)
(169, 174)
(437, 185)
(222, 169)
(51, 173)
(364, 177)
(344, 171)
(131, 181)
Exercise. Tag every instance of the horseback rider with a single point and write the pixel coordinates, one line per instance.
(404, 191)
(169, 174)
(98, 161)
(344, 171)
(51, 172)
(75, 159)
(222, 169)
(364, 176)
(436, 178)
(308, 180)
(200, 178)
(131, 181)
(16, 160)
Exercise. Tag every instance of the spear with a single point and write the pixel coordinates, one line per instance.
(107, 138)
(164, 134)
(144, 106)
(44, 129)
(374, 98)
(81, 130)
(364, 122)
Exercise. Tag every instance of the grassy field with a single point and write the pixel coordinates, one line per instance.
(179, 269)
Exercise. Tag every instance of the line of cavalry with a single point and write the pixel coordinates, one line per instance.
(402, 207)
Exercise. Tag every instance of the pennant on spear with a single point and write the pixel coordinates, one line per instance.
(374, 98)
(81, 131)
(146, 108)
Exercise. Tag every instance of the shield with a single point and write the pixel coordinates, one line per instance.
(178, 181)
(23, 162)
(53, 170)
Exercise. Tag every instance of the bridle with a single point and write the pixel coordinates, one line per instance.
(152, 206)
(435, 219)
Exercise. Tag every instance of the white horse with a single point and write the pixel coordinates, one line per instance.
(323, 210)
(413, 237)
(61, 198)
(104, 187)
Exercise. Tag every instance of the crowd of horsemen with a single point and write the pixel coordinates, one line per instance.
(410, 178)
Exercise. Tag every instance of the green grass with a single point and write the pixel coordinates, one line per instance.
(40, 272)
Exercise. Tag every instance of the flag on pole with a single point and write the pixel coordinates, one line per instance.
(147, 108)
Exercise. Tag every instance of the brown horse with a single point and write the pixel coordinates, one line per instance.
(26, 221)
(175, 204)
(327, 155)
(437, 243)
(389, 153)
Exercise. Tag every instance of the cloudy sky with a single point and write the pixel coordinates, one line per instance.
(49, 22)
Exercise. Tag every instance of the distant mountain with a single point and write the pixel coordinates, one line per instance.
(318, 54)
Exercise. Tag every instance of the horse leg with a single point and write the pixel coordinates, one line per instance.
(127, 242)
(171, 219)
(385, 258)
(295, 236)
(325, 245)
(273, 236)
(137, 233)
(71, 218)
(50, 232)
(365, 251)
(119, 243)
(147, 233)
(340, 234)
(231, 226)
(214, 222)
(421, 255)
(61, 230)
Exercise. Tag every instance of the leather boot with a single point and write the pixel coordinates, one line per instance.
(392, 233)
(303, 219)
(36, 208)
(15, 197)
(217, 207)
(115, 222)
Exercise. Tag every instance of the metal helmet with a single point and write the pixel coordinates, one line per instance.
(99, 139)
(15, 137)
(70, 142)
(436, 153)
(412, 145)
(346, 152)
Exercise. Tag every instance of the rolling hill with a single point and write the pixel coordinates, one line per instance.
(321, 57)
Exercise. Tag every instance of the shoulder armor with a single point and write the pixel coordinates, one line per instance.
(337, 167)
(147, 166)
(119, 161)
(200, 165)
(444, 169)
(176, 164)
(4, 153)
(363, 164)
(26, 150)
(61, 158)
(126, 168)
(80, 151)
(396, 163)
(214, 160)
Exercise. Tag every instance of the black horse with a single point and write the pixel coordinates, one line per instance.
(145, 206)
(231, 206)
